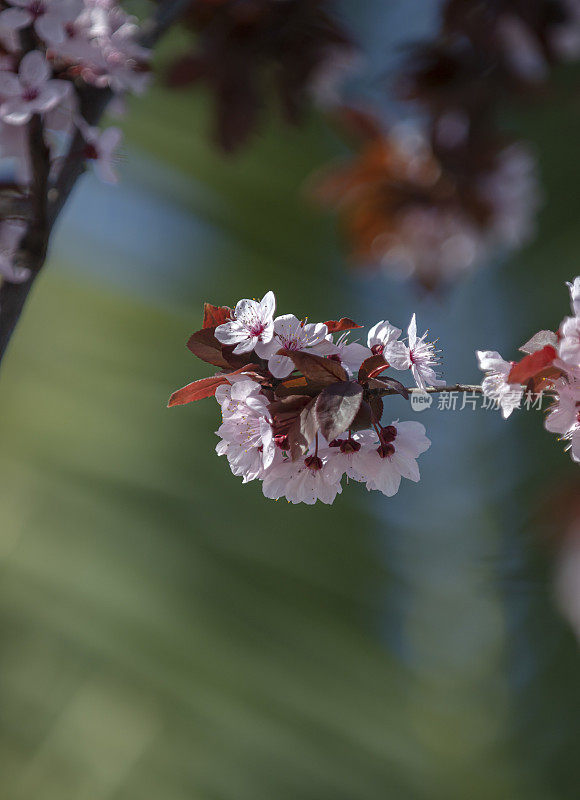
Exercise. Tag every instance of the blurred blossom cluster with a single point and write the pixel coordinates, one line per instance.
(551, 364)
(402, 209)
(51, 52)
(302, 409)
(432, 201)
(242, 50)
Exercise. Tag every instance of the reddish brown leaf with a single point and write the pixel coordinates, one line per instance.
(344, 324)
(215, 315)
(365, 416)
(389, 383)
(204, 345)
(206, 387)
(371, 367)
(197, 390)
(316, 368)
(337, 406)
(303, 431)
(530, 366)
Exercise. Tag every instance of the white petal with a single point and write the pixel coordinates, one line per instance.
(280, 366)
(412, 332)
(268, 304)
(9, 85)
(14, 18)
(34, 69)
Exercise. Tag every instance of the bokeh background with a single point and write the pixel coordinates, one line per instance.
(167, 634)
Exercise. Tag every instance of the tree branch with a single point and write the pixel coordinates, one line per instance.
(457, 387)
(46, 204)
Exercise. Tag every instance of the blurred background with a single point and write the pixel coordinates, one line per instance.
(167, 634)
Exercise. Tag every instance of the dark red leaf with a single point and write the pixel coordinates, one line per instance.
(206, 387)
(215, 315)
(204, 345)
(337, 406)
(344, 324)
(371, 367)
(316, 368)
(530, 366)
(303, 431)
(389, 383)
(197, 390)
(364, 417)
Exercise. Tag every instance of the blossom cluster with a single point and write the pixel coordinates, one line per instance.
(403, 209)
(551, 365)
(51, 51)
(430, 202)
(302, 402)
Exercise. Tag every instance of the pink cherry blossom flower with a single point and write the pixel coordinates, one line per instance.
(292, 334)
(348, 456)
(246, 433)
(381, 336)
(49, 17)
(495, 385)
(569, 346)
(304, 481)
(575, 295)
(101, 150)
(252, 324)
(31, 91)
(418, 355)
(351, 354)
(388, 461)
(564, 414)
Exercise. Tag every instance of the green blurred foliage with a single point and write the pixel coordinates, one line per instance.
(169, 635)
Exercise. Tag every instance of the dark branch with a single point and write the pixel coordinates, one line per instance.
(44, 212)
(457, 387)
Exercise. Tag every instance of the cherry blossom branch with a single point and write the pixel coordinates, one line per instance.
(47, 202)
(457, 387)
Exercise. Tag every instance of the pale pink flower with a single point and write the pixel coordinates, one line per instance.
(569, 346)
(575, 295)
(102, 150)
(382, 335)
(49, 17)
(291, 334)
(418, 355)
(252, 324)
(31, 91)
(348, 456)
(495, 385)
(564, 414)
(246, 433)
(304, 481)
(351, 354)
(385, 463)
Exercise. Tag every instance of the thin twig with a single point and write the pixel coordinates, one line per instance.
(457, 387)
(45, 212)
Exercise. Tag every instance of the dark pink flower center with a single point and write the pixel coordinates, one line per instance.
(385, 450)
(90, 152)
(388, 434)
(377, 349)
(37, 8)
(313, 462)
(349, 446)
(257, 329)
(30, 94)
